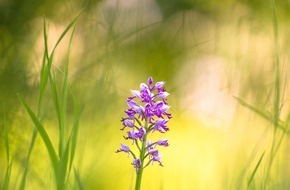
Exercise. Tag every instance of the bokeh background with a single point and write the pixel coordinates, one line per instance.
(208, 52)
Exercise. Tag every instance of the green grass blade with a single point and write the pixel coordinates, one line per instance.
(65, 82)
(63, 168)
(78, 180)
(7, 177)
(9, 164)
(74, 133)
(264, 115)
(254, 109)
(44, 136)
(46, 54)
(58, 109)
(255, 171)
(46, 65)
(65, 31)
(6, 141)
(23, 180)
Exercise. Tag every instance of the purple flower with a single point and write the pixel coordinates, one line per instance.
(133, 105)
(127, 122)
(130, 113)
(136, 163)
(150, 81)
(163, 142)
(149, 146)
(136, 93)
(149, 111)
(160, 108)
(159, 85)
(163, 94)
(124, 148)
(136, 135)
(155, 157)
(146, 113)
(160, 125)
(141, 133)
(132, 135)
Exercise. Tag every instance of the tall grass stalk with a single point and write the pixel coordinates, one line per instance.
(9, 162)
(62, 160)
(280, 128)
(276, 114)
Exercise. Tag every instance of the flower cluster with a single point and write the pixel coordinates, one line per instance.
(147, 113)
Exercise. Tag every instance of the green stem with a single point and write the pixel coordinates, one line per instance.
(142, 158)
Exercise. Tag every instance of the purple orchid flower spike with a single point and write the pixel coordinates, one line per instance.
(147, 112)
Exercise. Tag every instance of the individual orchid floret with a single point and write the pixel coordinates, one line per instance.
(141, 133)
(159, 85)
(163, 142)
(162, 95)
(160, 125)
(127, 122)
(150, 81)
(124, 148)
(136, 163)
(160, 108)
(155, 157)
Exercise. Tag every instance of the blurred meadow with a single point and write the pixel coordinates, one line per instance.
(67, 67)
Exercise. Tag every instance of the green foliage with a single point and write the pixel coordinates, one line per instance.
(274, 117)
(9, 162)
(63, 162)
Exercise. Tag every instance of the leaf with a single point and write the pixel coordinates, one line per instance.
(43, 134)
(255, 170)
(264, 115)
(7, 177)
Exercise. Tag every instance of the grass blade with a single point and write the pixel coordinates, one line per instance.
(6, 141)
(23, 180)
(72, 23)
(44, 136)
(255, 171)
(78, 180)
(264, 115)
(75, 129)
(58, 112)
(7, 177)
(63, 168)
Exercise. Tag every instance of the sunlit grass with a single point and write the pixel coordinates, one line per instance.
(61, 161)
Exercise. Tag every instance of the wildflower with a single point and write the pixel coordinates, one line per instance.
(147, 113)
(163, 142)
(136, 163)
(160, 125)
(127, 122)
(124, 148)
(155, 157)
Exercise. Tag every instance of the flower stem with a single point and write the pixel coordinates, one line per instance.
(140, 170)
(142, 157)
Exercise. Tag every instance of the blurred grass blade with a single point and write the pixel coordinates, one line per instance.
(255, 171)
(75, 129)
(264, 115)
(254, 109)
(6, 140)
(58, 110)
(65, 31)
(78, 180)
(45, 68)
(44, 136)
(63, 168)
(7, 177)
(9, 164)
(23, 180)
